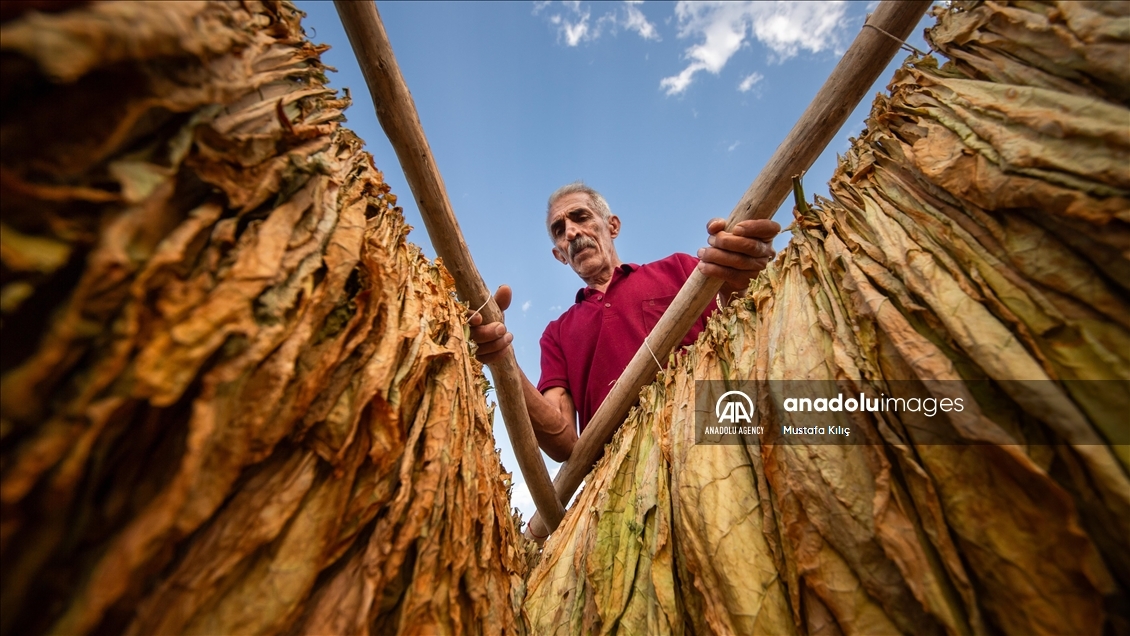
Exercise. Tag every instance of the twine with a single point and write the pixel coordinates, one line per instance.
(530, 528)
(474, 313)
(902, 43)
(645, 343)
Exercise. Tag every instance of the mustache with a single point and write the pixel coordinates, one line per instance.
(580, 243)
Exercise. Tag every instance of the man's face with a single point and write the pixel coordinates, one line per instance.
(582, 239)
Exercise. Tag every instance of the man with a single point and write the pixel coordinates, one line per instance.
(586, 349)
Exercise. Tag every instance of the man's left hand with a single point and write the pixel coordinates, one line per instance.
(737, 256)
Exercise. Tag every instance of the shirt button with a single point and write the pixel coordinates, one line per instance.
(607, 304)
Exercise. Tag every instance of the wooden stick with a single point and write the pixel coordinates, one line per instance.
(397, 114)
(845, 87)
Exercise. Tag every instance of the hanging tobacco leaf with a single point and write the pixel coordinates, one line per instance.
(978, 235)
(235, 400)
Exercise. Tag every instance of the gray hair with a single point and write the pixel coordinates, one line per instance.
(600, 206)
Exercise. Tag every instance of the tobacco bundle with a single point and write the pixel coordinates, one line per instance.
(977, 235)
(234, 400)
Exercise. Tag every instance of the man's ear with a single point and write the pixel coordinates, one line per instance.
(560, 257)
(614, 225)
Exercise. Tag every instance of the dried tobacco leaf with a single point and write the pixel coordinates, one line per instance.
(977, 235)
(238, 400)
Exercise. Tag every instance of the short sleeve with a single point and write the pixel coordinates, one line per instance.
(554, 372)
(686, 262)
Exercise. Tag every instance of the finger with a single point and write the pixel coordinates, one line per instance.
(502, 297)
(755, 248)
(714, 226)
(732, 260)
(490, 352)
(763, 229)
(488, 332)
(497, 344)
(730, 276)
(475, 320)
(494, 346)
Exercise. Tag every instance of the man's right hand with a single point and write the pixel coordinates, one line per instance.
(492, 338)
(553, 415)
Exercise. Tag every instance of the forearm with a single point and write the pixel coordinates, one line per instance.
(554, 428)
(552, 416)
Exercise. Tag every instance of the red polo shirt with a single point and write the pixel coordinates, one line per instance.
(589, 346)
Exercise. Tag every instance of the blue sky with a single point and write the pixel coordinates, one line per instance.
(668, 109)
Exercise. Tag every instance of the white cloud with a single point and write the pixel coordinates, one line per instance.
(749, 81)
(575, 25)
(788, 28)
(576, 32)
(525, 306)
(634, 20)
(785, 28)
(733, 145)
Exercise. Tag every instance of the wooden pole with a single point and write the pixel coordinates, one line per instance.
(860, 66)
(397, 114)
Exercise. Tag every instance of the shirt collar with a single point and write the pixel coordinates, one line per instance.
(625, 269)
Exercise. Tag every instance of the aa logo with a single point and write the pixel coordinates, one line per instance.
(734, 407)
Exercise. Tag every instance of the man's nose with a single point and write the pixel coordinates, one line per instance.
(571, 230)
